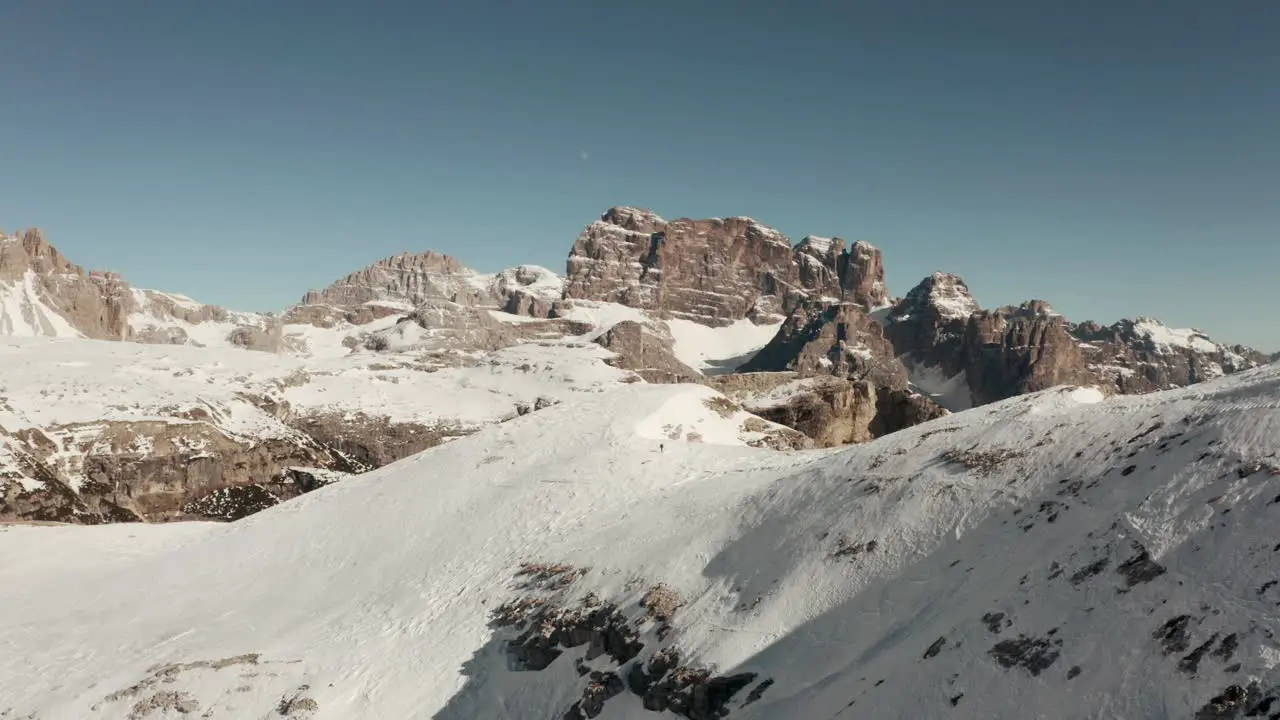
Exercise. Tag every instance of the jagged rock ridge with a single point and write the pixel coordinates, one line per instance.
(713, 271)
(939, 330)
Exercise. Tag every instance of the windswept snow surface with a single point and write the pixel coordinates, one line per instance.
(1054, 555)
(58, 382)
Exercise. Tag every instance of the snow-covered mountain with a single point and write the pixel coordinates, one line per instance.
(417, 349)
(1061, 554)
(466, 495)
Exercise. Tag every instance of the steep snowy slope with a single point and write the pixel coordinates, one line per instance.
(1054, 555)
(24, 312)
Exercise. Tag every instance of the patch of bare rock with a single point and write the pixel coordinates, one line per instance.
(614, 647)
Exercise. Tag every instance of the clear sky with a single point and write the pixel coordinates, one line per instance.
(1114, 157)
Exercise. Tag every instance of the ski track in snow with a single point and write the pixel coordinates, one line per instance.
(374, 592)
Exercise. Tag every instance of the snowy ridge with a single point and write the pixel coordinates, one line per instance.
(533, 279)
(818, 245)
(1054, 555)
(1163, 336)
(171, 318)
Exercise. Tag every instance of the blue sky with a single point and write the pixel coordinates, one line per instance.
(1113, 157)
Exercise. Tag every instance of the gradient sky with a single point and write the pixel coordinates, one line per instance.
(1114, 157)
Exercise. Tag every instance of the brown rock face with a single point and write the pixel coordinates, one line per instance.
(928, 325)
(328, 316)
(898, 409)
(375, 441)
(646, 352)
(862, 276)
(405, 278)
(1012, 351)
(822, 338)
(1143, 355)
(713, 271)
(145, 470)
(54, 292)
(832, 411)
(406, 281)
(819, 262)
(527, 290)
(161, 471)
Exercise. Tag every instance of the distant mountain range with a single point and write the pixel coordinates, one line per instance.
(229, 412)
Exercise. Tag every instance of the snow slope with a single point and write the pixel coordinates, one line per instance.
(1056, 555)
(23, 313)
(715, 350)
(55, 382)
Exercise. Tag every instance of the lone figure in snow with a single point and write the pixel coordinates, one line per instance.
(661, 447)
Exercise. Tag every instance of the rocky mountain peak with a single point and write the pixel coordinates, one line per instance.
(633, 218)
(831, 338)
(943, 295)
(823, 248)
(42, 293)
(716, 271)
(927, 325)
(862, 275)
(711, 271)
(407, 279)
(29, 250)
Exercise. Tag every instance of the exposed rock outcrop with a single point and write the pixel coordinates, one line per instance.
(1144, 355)
(376, 441)
(46, 295)
(406, 281)
(527, 290)
(54, 297)
(832, 339)
(108, 472)
(634, 642)
(898, 409)
(939, 330)
(927, 327)
(1012, 351)
(832, 411)
(712, 271)
(647, 351)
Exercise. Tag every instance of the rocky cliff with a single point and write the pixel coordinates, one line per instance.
(1144, 355)
(46, 295)
(1017, 350)
(43, 294)
(713, 271)
(841, 339)
(844, 383)
(940, 332)
(400, 283)
(927, 326)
